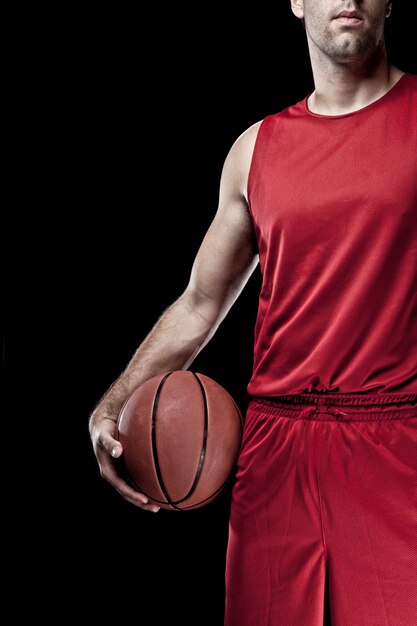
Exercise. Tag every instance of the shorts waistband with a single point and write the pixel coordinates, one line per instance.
(340, 406)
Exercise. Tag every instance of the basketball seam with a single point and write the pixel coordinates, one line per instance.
(162, 485)
(154, 444)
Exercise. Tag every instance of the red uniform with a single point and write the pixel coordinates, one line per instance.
(326, 487)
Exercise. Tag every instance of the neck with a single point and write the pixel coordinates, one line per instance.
(342, 88)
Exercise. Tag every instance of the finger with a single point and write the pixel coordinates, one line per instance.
(116, 450)
(135, 497)
(112, 446)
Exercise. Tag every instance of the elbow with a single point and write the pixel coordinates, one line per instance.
(206, 310)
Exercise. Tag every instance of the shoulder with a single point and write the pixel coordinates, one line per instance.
(242, 149)
(412, 80)
(403, 81)
(239, 156)
(245, 143)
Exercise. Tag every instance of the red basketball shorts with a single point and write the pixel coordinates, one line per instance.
(323, 516)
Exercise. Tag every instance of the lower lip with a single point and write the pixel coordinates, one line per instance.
(348, 21)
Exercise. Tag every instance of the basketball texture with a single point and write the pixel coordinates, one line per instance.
(181, 433)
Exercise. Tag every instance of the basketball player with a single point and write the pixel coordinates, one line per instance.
(323, 195)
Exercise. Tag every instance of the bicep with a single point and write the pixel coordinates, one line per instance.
(228, 254)
(225, 260)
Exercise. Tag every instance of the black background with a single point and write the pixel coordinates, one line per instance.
(135, 115)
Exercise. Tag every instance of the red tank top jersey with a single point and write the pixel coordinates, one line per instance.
(334, 207)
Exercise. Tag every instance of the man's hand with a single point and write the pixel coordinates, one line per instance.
(107, 449)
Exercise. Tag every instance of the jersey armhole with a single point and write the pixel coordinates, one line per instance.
(253, 159)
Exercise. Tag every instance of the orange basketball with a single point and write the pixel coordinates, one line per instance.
(181, 433)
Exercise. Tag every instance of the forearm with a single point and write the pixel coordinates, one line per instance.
(172, 344)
